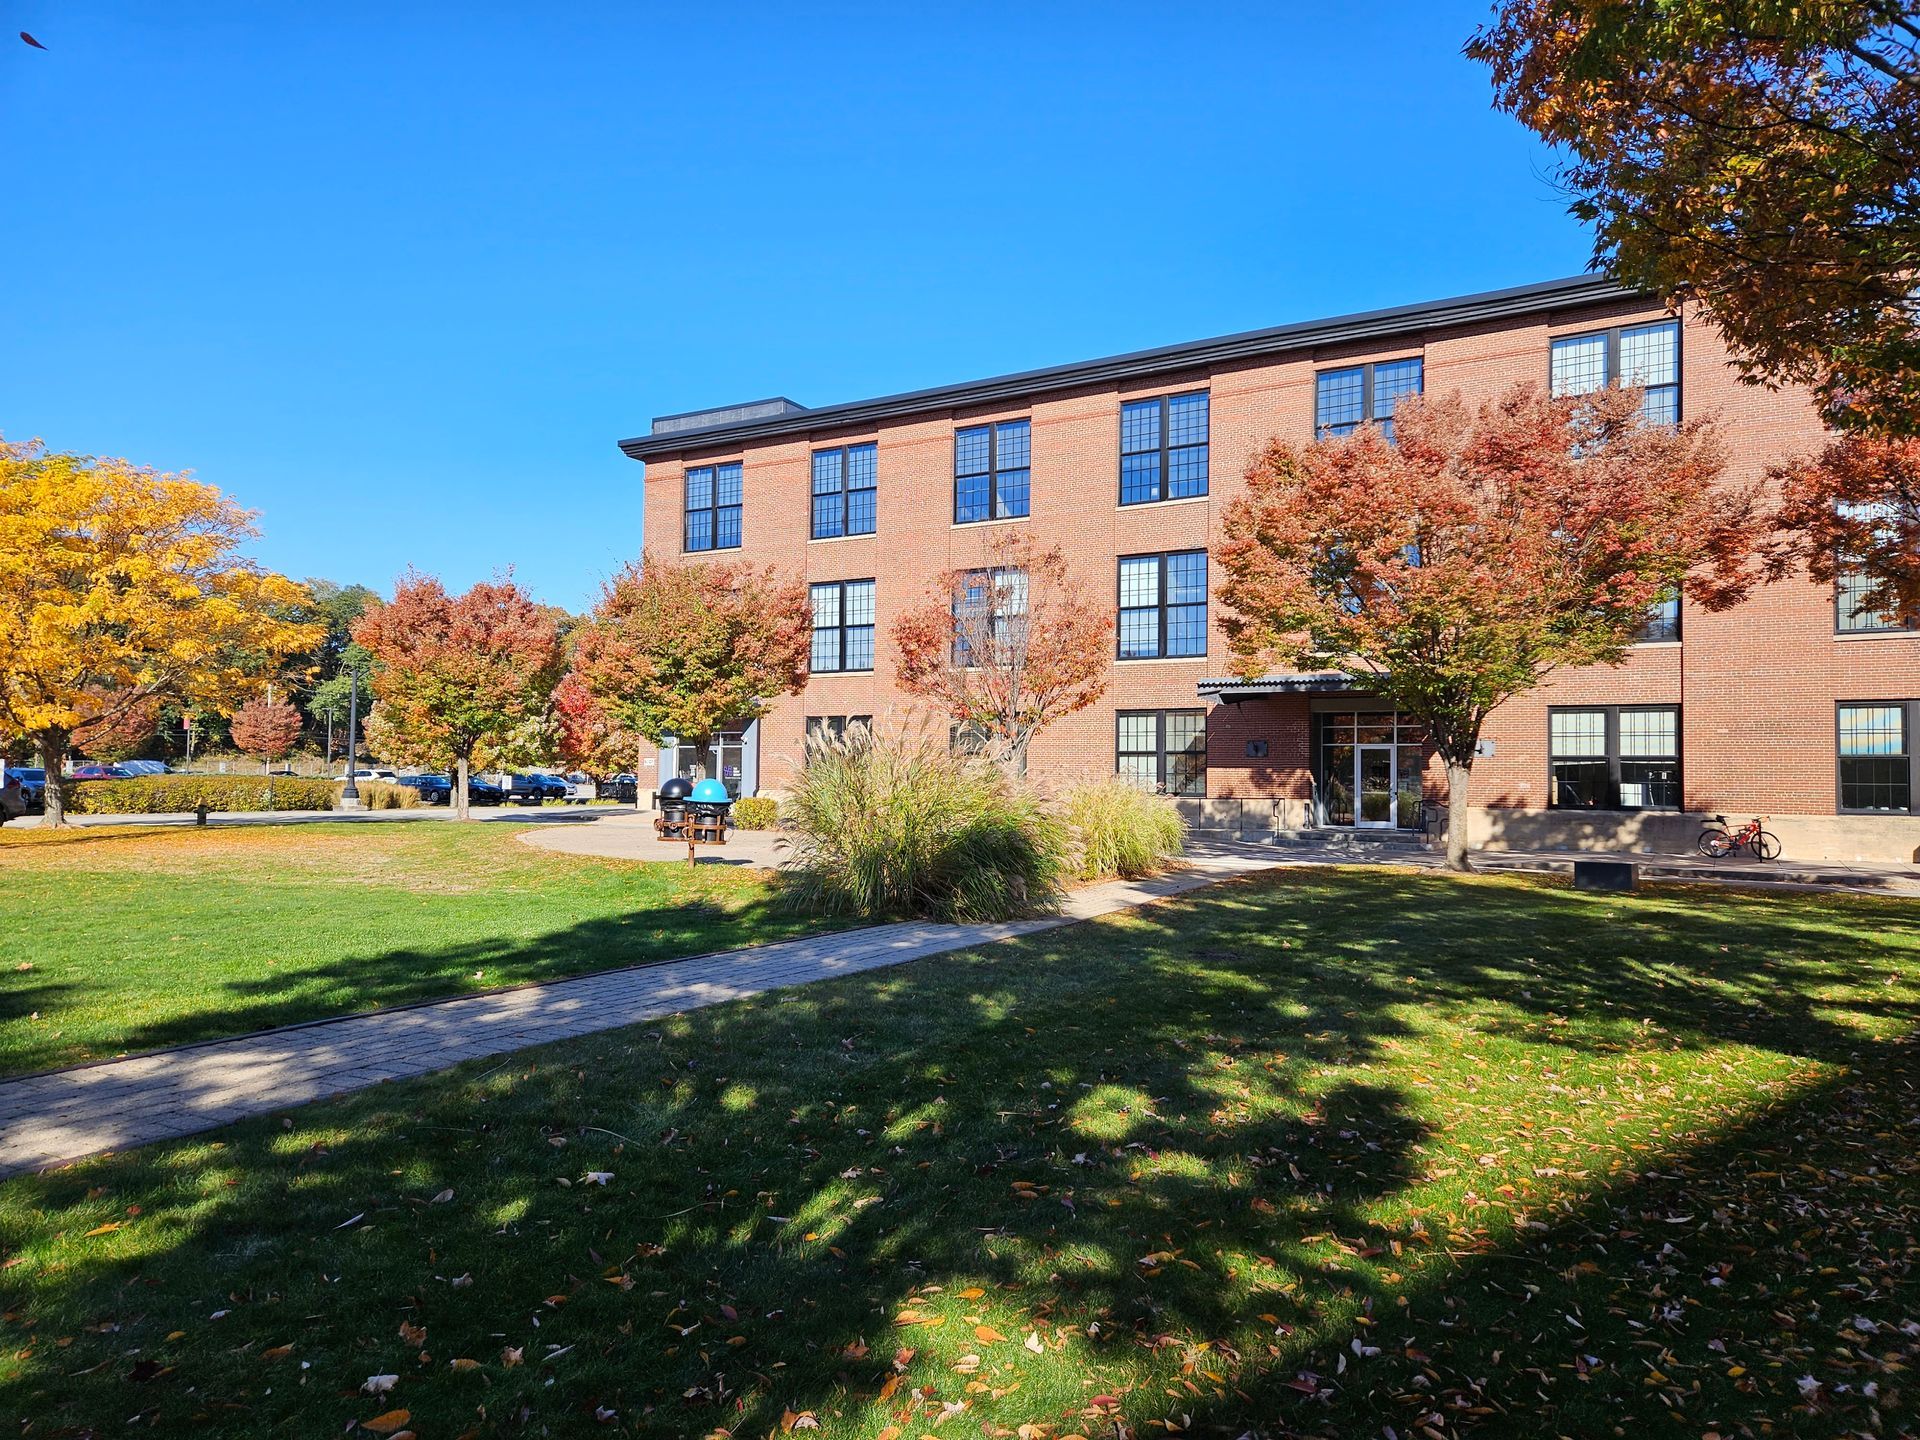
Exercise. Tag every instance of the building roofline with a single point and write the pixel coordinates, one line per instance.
(1251, 344)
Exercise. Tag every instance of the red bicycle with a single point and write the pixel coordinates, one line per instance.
(1717, 841)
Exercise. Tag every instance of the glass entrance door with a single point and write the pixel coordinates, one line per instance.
(721, 760)
(1377, 795)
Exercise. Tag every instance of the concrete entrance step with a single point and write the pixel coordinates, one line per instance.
(1359, 841)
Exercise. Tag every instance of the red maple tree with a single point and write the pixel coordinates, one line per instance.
(1454, 569)
(686, 649)
(455, 673)
(589, 740)
(115, 725)
(1852, 513)
(266, 729)
(1007, 647)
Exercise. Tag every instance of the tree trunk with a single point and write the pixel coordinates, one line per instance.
(460, 811)
(53, 754)
(1457, 778)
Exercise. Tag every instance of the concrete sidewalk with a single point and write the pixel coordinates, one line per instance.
(65, 1115)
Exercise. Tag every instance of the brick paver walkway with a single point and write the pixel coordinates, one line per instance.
(65, 1115)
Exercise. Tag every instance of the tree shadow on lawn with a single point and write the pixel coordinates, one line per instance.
(365, 978)
(1188, 1152)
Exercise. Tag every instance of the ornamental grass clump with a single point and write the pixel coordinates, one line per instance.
(886, 827)
(1120, 829)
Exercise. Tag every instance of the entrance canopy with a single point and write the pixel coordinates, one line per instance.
(1230, 690)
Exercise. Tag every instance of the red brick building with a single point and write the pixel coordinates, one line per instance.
(1796, 705)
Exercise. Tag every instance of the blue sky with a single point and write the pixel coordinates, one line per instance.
(400, 276)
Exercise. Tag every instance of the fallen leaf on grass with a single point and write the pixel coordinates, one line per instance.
(380, 1384)
(388, 1423)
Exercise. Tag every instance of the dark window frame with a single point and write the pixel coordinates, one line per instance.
(1678, 601)
(833, 726)
(1160, 753)
(713, 509)
(842, 627)
(1901, 626)
(1367, 415)
(1910, 714)
(1161, 605)
(992, 578)
(1614, 760)
(1613, 334)
(846, 491)
(993, 470)
(1166, 448)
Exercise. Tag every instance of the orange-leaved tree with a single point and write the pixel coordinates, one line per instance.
(1006, 647)
(589, 740)
(686, 649)
(456, 673)
(1454, 569)
(119, 584)
(266, 729)
(1759, 159)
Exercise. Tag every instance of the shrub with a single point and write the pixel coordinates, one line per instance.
(902, 827)
(165, 794)
(1120, 829)
(756, 812)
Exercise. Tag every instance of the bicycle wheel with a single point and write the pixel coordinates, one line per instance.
(1714, 844)
(1765, 845)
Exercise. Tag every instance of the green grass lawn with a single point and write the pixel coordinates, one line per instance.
(125, 939)
(1349, 1153)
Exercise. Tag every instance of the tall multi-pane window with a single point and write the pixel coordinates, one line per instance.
(713, 507)
(842, 625)
(991, 471)
(1163, 605)
(1163, 750)
(1876, 756)
(1614, 757)
(1663, 620)
(1163, 448)
(1855, 610)
(1645, 355)
(990, 605)
(1346, 399)
(844, 489)
(833, 729)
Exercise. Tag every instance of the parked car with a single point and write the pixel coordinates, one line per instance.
(580, 788)
(485, 792)
(33, 786)
(100, 772)
(535, 788)
(362, 776)
(434, 789)
(13, 798)
(624, 788)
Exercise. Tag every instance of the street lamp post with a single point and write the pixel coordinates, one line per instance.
(350, 796)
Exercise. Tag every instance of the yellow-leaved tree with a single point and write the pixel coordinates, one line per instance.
(119, 583)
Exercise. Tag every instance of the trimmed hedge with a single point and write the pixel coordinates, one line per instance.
(756, 812)
(169, 794)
